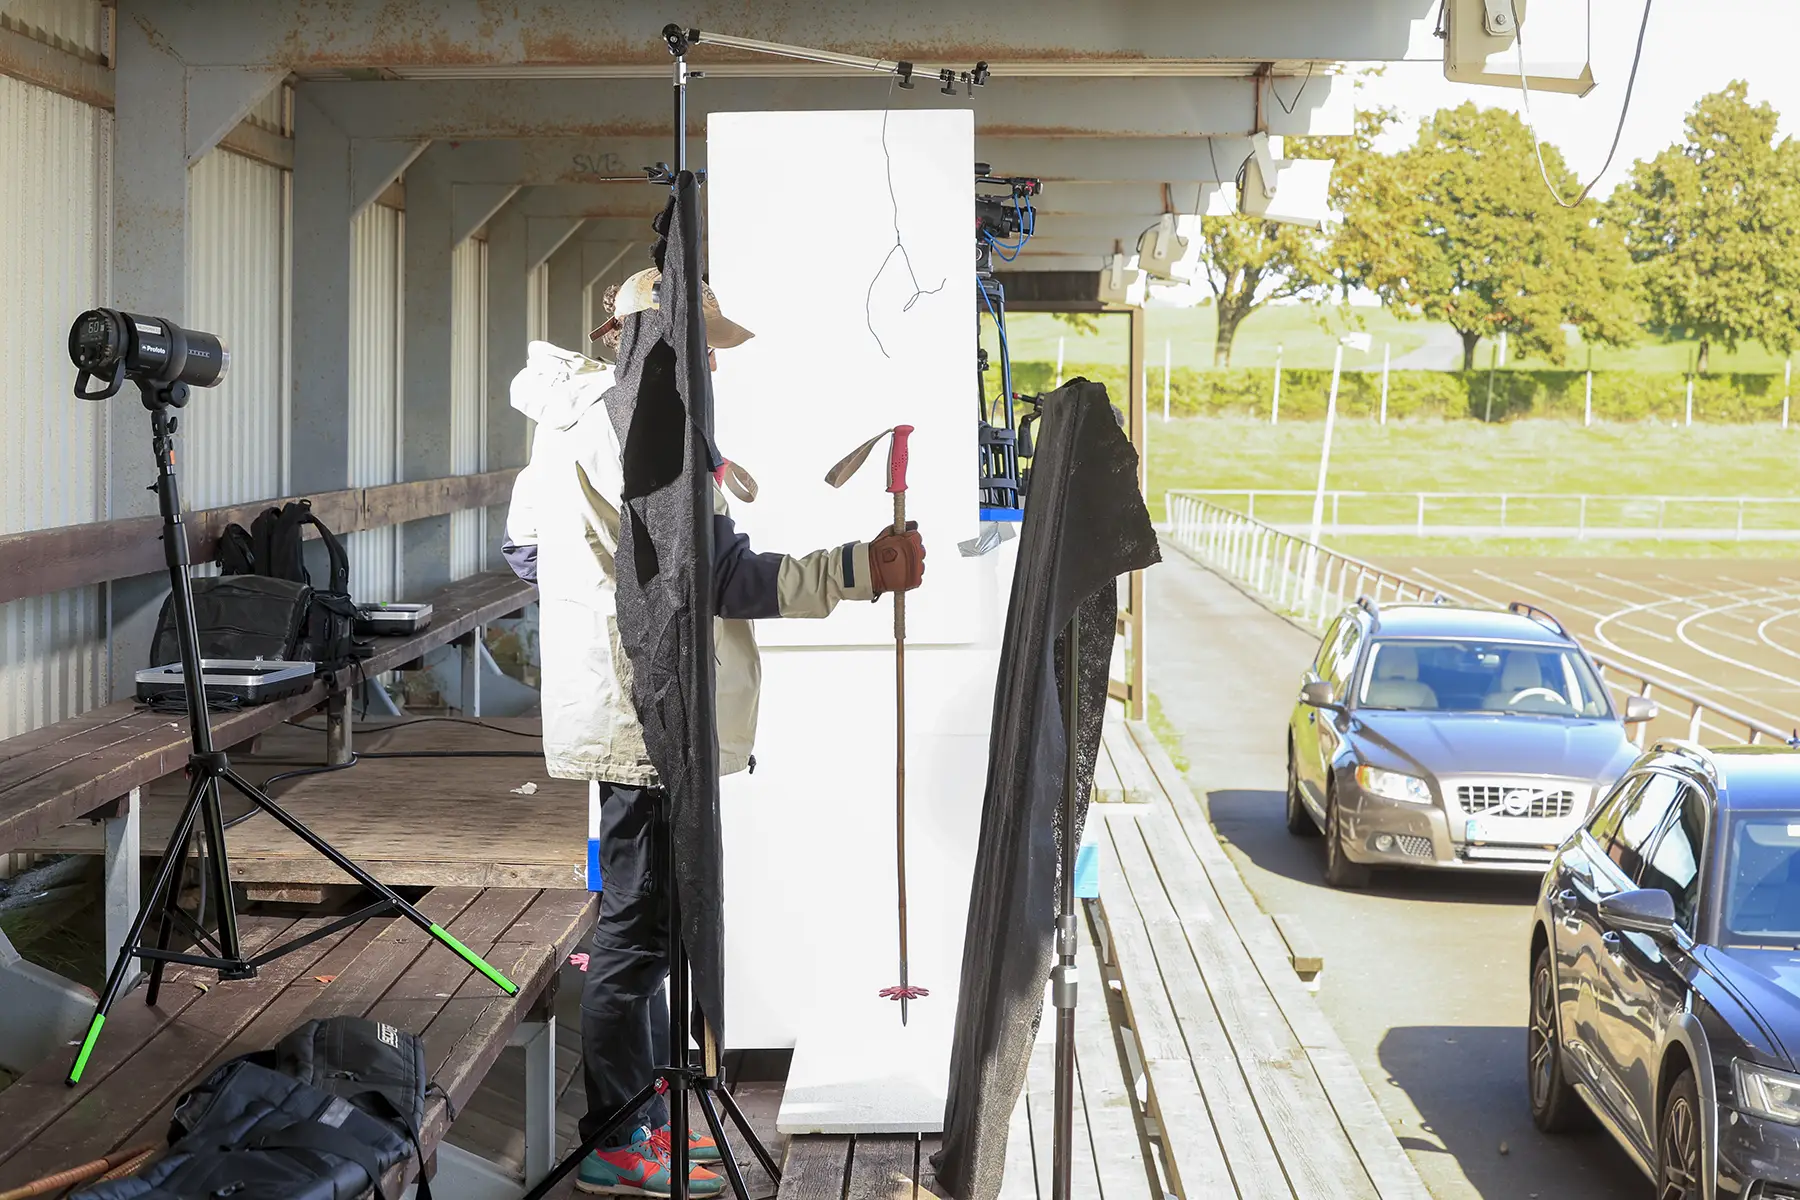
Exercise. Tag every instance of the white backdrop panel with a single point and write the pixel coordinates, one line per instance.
(798, 256)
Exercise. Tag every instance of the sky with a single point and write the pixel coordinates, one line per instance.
(1692, 47)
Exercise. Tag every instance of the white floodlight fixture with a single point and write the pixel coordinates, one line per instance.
(1291, 191)
(1480, 36)
(1160, 247)
(1121, 282)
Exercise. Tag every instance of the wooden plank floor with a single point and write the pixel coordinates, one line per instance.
(422, 822)
(1109, 1151)
(1252, 1093)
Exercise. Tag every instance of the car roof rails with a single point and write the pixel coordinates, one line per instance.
(1369, 605)
(1694, 752)
(1539, 615)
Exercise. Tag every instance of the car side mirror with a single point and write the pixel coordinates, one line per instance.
(1641, 910)
(1639, 709)
(1318, 693)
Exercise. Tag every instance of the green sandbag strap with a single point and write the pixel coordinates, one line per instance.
(475, 960)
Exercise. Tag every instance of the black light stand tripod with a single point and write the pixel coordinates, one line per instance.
(681, 1074)
(201, 817)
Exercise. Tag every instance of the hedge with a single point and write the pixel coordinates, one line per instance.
(1618, 395)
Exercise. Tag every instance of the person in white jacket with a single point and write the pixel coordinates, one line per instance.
(561, 533)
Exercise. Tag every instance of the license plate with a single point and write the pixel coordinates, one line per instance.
(1480, 830)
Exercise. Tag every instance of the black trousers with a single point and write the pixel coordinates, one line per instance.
(624, 1014)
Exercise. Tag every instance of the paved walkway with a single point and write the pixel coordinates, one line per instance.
(1424, 975)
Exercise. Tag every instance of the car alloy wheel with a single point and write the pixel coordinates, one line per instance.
(1678, 1157)
(1299, 820)
(1554, 1105)
(1340, 871)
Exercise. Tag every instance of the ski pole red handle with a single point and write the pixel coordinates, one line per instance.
(897, 456)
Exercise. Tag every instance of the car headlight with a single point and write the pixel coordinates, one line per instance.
(1767, 1092)
(1392, 785)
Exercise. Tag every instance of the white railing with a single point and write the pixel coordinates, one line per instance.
(1526, 514)
(1315, 584)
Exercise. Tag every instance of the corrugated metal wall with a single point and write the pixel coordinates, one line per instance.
(236, 433)
(468, 384)
(77, 26)
(376, 331)
(55, 229)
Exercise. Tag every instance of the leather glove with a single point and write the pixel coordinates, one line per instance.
(897, 560)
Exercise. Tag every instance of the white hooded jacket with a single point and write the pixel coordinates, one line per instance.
(561, 533)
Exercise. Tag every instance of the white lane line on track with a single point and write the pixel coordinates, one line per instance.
(1762, 632)
(1681, 632)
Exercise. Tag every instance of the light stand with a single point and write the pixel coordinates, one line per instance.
(1063, 977)
(207, 768)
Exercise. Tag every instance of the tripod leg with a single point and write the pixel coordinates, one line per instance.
(221, 876)
(614, 1119)
(727, 1159)
(172, 897)
(755, 1143)
(161, 889)
(293, 826)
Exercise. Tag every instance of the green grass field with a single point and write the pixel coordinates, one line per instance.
(1308, 334)
(1520, 457)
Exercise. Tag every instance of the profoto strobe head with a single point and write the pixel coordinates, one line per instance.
(110, 345)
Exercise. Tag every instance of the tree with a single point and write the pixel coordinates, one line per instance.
(1361, 183)
(1714, 225)
(1249, 263)
(1468, 234)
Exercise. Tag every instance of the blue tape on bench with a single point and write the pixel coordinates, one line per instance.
(1087, 871)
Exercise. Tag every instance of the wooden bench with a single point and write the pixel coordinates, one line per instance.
(385, 969)
(96, 765)
(1253, 1093)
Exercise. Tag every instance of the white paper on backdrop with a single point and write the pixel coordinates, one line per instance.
(799, 225)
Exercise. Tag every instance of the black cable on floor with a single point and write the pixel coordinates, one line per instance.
(525, 733)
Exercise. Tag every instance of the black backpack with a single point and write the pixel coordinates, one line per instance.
(322, 1115)
(264, 605)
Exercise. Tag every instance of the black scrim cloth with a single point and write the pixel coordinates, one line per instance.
(1085, 525)
(661, 406)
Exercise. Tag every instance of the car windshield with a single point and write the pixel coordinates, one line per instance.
(1761, 895)
(1446, 675)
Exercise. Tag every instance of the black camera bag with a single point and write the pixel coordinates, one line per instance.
(264, 605)
(322, 1115)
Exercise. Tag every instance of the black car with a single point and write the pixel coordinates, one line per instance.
(1444, 735)
(1665, 973)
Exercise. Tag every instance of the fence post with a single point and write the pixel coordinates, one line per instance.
(1787, 389)
(1421, 514)
(1166, 381)
(1581, 521)
(1059, 361)
(1690, 399)
(1587, 407)
(1740, 523)
(1386, 348)
(1287, 569)
(1275, 405)
(1503, 510)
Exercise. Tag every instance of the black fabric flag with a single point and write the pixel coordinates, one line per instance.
(1085, 525)
(661, 408)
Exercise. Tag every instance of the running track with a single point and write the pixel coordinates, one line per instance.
(1728, 630)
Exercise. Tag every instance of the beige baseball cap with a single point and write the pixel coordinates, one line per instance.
(638, 294)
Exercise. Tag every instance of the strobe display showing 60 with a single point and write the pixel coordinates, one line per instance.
(1004, 223)
(110, 345)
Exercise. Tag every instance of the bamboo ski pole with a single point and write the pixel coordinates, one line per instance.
(904, 992)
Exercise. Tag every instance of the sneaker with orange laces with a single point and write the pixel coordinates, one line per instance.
(641, 1168)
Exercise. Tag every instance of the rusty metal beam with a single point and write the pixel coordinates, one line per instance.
(508, 108)
(551, 34)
